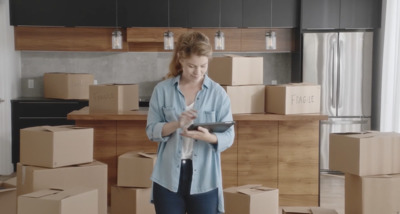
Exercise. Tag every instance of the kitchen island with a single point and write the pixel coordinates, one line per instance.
(279, 151)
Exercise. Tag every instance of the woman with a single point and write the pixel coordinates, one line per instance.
(187, 175)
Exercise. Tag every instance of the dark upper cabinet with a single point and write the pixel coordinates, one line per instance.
(63, 13)
(215, 13)
(40, 12)
(356, 14)
(154, 13)
(320, 14)
(285, 13)
(340, 14)
(256, 13)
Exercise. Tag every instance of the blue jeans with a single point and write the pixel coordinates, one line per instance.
(168, 202)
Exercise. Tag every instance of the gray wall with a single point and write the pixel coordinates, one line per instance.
(144, 68)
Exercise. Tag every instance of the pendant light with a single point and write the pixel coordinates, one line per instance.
(219, 39)
(270, 36)
(168, 37)
(116, 36)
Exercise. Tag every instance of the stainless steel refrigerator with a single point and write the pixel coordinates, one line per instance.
(341, 62)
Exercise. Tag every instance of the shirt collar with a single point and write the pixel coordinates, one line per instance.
(206, 81)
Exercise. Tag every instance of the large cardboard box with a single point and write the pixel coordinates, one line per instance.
(237, 70)
(372, 194)
(370, 153)
(59, 201)
(307, 210)
(67, 85)
(113, 98)
(135, 168)
(246, 98)
(251, 199)
(293, 99)
(92, 175)
(56, 146)
(129, 200)
(8, 197)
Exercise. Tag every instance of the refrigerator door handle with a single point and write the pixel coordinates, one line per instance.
(340, 53)
(332, 74)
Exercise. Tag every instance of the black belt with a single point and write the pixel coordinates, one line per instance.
(186, 161)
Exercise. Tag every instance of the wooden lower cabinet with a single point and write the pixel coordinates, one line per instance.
(278, 154)
(258, 153)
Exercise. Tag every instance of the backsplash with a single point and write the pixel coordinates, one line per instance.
(143, 68)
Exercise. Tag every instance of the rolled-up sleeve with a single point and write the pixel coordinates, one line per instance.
(225, 139)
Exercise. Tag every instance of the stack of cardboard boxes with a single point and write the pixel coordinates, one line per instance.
(57, 171)
(133, 190)
(371, 164)
(242, 78)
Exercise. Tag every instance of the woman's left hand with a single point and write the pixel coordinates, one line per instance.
(201, 134)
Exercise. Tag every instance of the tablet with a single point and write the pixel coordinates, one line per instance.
(213, 127)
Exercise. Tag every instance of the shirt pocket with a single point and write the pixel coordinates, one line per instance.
(169, 114)
(209, 116)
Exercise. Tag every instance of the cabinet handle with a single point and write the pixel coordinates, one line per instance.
(1, 100)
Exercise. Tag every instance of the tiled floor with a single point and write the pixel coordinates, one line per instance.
(332, 191)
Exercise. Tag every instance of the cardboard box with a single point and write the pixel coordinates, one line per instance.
(128, 200)
(113, 98)
(237, 70)
(370, 153)
(59, 201)
(372, 194)
(56, 146)
(307, 210)
(135, 168)
(92, 175)
(251, 199)
(246, 98)
(67, 85)
(8, 197)
(293, 99)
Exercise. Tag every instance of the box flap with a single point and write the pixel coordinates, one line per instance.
(4, 187)
(254, 190)
(42, 193)
(296, 210)
(319, 210)
(147, 155)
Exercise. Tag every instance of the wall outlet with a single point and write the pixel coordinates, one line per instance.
(274, 82)
(31, 83)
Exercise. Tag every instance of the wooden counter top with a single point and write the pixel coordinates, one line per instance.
(141, 114)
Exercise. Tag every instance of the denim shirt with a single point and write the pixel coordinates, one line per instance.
(213, 105)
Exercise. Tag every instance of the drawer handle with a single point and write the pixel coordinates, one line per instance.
(1, 100)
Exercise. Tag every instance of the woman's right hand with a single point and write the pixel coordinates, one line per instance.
(186, 118)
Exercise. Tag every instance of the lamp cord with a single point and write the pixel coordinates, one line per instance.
(116, 14)
(219, 23)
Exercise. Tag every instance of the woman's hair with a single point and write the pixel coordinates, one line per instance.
(191, 43)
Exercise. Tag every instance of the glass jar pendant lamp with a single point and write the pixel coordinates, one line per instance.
(168, 40)
(219, 39)
(116, 36)
(168, 37)
(270, 36)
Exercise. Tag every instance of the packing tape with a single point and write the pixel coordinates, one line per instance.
(23, 175)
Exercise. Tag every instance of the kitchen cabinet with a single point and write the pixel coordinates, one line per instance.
(207, 13)
(340, 14)
(280, 151)
(356, 14)
(154, 13)
(63, 13)
(257, 13)
(320, 14)
(28, 112)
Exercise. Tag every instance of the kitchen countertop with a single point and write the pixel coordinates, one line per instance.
(141, 114)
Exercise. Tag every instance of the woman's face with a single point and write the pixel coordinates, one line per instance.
(194, 68)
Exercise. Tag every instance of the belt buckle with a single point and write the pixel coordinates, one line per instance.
(184, 161)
